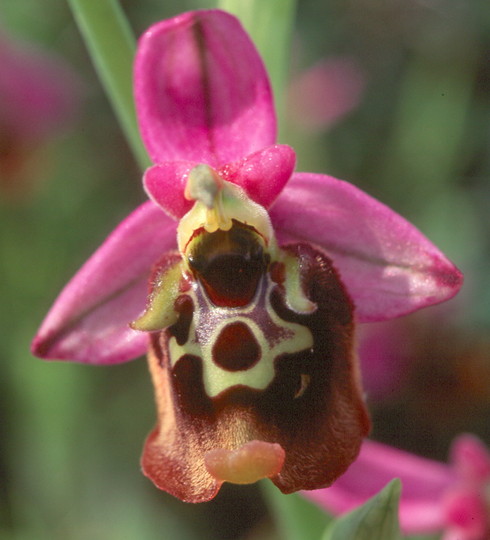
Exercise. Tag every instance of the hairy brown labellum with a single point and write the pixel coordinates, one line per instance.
(252, 355)
(312, 406)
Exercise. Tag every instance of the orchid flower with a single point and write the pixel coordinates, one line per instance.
(454, 498)
(38, 96)
(321, 95)
(242, 280)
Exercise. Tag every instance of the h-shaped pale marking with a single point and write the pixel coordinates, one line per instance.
(208, 322)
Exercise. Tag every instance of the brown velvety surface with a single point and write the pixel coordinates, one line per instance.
(313, 408)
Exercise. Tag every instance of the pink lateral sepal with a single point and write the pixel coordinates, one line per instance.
(89, 321)
(388, 266)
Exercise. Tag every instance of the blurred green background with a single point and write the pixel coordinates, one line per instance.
(418, 139)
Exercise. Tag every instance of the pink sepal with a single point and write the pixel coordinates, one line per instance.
(89, 320)
(324, 93)
(39, 93)
(466, 503)
(471, 459)
(202, 92)
(388, 266)
(466, 514)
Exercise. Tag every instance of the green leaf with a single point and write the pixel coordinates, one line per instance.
(296, 518)
(111, 45)
(376, 519)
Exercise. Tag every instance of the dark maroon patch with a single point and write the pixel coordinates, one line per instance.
(313, 408)
(184, 306)
(277, 272)
(229, 264)
(236, 348)
(189, 387)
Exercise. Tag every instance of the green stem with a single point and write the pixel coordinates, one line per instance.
(295, 517)
(111, 44)
(270, 24)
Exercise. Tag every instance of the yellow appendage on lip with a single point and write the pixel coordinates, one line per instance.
(245, 465)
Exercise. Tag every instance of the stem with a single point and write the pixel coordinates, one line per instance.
(270, 24)
(111, 45)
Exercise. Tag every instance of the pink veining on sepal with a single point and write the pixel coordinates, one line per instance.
(89, 322)
(389, 267)
(202, 92)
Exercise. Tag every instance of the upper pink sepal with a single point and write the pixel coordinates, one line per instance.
(202, 92)
(262, 175)
(89, 322)
(388, 266)
(424, 483)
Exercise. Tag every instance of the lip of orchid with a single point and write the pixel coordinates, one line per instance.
(246, 316)
(243, 350)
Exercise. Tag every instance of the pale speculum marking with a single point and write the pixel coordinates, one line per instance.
(251, 363)
(304, 383)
